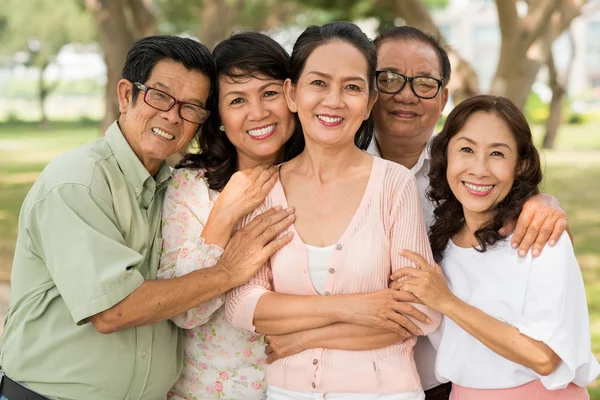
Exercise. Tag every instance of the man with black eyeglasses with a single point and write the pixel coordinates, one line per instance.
(87, 318)
(413, 71)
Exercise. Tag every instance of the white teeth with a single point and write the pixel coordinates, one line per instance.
(478, 188)
(261, 131)
(329, 120)
(162, 133)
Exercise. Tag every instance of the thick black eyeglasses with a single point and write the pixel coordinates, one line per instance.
(424, 87)
(164, 102)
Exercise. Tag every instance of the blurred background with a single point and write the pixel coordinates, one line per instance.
(60, 61)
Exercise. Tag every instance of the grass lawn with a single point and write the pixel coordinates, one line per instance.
(572, 175)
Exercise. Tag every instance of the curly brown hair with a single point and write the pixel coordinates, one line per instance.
(449, 215)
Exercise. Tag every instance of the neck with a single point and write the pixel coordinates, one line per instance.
(402, 150)
(328, 163)
(152, 165)
(245, 162)
(473, 222)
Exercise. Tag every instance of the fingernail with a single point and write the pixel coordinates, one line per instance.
(291, 216)
(514, 245)
(535, 252)
(522, 253)
(428, 320)
(290, 209)
(552, 242)
(278, 208)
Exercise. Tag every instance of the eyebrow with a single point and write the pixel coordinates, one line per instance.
(164, 87)
(263, 87)
(347, 78)
(491, 145)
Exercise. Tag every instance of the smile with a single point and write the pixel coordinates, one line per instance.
(262, 132)
(161, 133)
(328, 120)
(478, 190)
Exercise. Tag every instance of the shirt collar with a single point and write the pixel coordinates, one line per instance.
(131, 166)
(421, 162)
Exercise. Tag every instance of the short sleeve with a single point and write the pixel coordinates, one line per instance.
(555, 312)
(407, 230)
(241, 301)
(76, 234)
(185, 212)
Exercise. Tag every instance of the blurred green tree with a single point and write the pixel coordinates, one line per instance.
(40, 29)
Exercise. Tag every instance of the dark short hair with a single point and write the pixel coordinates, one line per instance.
(316, 36)
(242, 56)
(409, 33)
(449, 214)
(143, 56)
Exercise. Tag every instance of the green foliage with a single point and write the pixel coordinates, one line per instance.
(42, 27)
(536, 110)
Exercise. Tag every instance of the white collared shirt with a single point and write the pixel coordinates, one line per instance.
(425, 353)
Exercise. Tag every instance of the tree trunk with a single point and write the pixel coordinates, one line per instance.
(463, 82)
(119, 25)
(42, 95)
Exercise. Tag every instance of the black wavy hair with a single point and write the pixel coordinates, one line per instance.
(449, 214)
(316, 36)
(241, 56)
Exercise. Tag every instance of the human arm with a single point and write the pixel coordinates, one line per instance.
(75, 231)
(552, 334)
(541, 221)
(187, 212)
(341, 336)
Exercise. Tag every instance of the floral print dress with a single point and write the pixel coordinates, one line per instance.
(220, 361)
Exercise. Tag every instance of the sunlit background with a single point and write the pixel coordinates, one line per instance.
(60, 61)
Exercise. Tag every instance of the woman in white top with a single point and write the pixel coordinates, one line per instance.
(513, 328)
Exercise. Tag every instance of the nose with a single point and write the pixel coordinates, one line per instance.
(258, 111)
(406, 95)
(333, 98)
(173, 115)
(479, 167)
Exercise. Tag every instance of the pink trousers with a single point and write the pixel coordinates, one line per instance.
(531, 391)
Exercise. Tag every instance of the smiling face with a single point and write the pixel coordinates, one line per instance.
(404, 115)
(256, 118)
(482, 164)
(155, 135)
(332, 94)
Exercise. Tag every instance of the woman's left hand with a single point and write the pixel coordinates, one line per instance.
(426, 282)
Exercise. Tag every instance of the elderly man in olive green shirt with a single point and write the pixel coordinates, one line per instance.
(87, 319)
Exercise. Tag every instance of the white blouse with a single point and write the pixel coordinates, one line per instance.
(318, 265)
(544, 298)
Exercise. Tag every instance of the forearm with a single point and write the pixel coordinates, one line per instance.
(279, 314)
(344, 336)
(158, 300)
(219, 227)
(503, 339)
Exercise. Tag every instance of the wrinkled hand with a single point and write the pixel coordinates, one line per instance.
(541, 221)
(281, 346)
(250, 247)
(426, 282)
(388, 309)
(246, 190)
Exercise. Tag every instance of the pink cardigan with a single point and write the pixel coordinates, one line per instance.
(388, 219)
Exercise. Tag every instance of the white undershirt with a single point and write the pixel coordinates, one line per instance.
(319, 259)
(544, 298)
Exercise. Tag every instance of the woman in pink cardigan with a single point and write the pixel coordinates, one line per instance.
(354, 214)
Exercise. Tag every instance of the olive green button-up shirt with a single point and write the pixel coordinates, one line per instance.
(89, 235)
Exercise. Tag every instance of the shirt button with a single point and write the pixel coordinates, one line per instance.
(143, 353)
(315, 361)
(313, 385)
(338, 246)
(331, 271)
(327, 293)
(137, 190)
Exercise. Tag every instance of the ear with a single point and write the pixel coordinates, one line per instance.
(289, 90)
(124, 93)
(521, 166)
(445, 94)
(372, 102)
